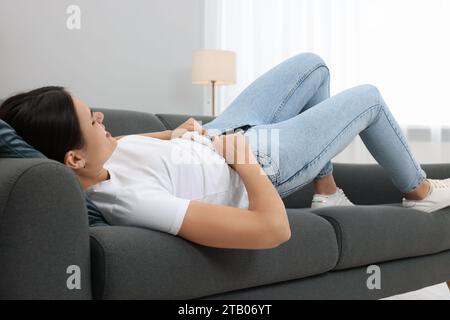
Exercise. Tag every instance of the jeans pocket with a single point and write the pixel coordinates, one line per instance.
(270, 167)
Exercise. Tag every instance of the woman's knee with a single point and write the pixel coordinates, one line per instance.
(312, 58)
(369, 93)
(370, 90)
(312, 61)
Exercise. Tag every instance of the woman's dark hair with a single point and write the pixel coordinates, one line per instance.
(46, 119)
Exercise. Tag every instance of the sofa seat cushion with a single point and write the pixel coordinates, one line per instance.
(136, 263)
(369, 234)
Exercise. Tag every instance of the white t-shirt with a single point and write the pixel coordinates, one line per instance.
(152, 182)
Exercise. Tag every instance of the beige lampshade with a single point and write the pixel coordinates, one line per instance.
(214, 65)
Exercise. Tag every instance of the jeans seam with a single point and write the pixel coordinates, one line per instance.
(290, 191)
(327, 173)
(417, 185)
(327, 146)
(292, 91)
(398, 136)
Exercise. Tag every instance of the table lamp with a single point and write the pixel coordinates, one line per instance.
(215, 67)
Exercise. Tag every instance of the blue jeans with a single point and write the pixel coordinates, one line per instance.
(293, 100)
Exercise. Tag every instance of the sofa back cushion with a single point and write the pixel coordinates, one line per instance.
(124, 122)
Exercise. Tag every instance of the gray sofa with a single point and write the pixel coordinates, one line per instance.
(44, 230)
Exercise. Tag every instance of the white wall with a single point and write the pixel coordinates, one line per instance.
(128, 54)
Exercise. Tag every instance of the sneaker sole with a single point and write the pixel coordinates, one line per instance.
(431, 210)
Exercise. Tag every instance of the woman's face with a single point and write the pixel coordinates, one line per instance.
(99, 144)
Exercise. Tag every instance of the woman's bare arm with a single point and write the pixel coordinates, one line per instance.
(263, 225)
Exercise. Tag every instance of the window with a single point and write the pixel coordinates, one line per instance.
(400, 46)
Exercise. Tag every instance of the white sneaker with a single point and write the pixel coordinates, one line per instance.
(338, 199)
(437, 199)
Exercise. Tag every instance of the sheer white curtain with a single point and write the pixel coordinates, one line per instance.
(401, 46)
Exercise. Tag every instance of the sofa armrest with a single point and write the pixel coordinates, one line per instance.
(43, 231)
(364, 184)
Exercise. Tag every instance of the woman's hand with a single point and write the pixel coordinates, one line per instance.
(189, 125)
(234, 148)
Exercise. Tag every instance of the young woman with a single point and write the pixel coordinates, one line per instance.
(227, 193)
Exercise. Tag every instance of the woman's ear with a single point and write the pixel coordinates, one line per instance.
(74, 161)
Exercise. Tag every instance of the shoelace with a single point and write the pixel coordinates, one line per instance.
(437, 184)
